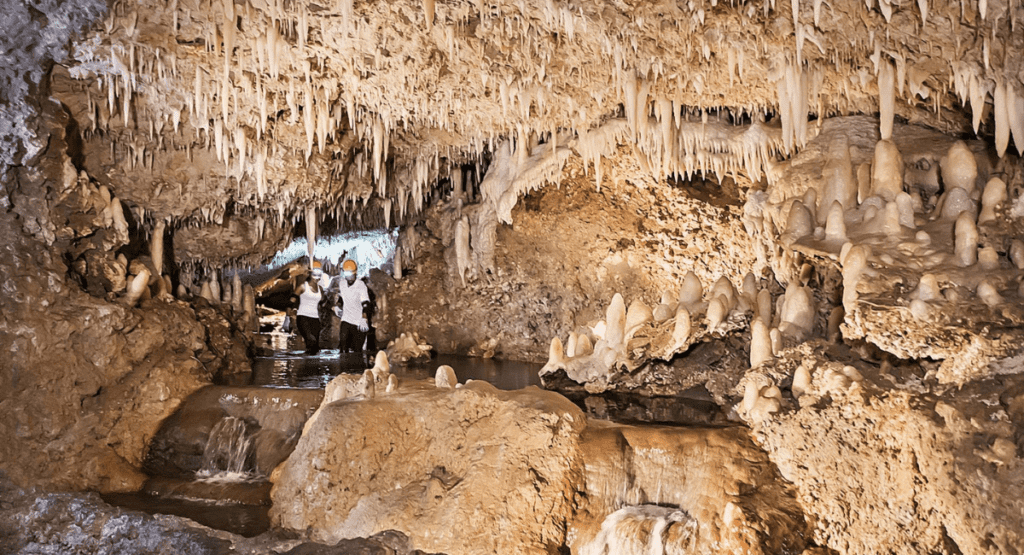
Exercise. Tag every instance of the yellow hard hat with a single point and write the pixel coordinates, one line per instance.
(349, 266)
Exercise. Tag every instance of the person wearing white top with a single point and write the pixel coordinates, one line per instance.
(308, 319)
(353, 302)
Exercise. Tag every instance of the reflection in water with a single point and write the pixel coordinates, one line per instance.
(289, 366)
(227, 494)
(244, 520)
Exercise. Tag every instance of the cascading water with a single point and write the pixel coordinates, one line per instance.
(228, 455)
(647, 529)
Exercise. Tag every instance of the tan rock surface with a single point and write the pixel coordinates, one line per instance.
(470, 470)
(898, 462)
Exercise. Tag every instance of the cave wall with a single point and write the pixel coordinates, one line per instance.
(569, 250)
(86, 380)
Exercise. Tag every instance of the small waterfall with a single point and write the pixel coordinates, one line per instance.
(229, 452)
(645, 530)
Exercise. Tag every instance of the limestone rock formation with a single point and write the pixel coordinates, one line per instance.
(423, 456)
(45, 522)
(891, 446)
(540, 158)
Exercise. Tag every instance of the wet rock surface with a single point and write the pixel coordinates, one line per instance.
(40, 522)
(522, 472)
(495, 467)
(89, 378)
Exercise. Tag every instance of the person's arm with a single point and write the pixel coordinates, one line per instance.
(364, 299)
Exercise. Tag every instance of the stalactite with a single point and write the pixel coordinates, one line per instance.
(311, 223)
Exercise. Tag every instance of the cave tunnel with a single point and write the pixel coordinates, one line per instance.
(629, 278)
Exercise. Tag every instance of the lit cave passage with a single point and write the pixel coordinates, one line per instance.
(667, 277)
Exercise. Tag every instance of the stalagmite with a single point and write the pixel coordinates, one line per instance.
(800, 222)
(959, 168)
(810, 202)
(381, 367)
(920, 310)
(206, 292)
(956, 201)
(570, 345)
(750, 395)
(965, 240)
(156, 246)
(681, 329)
(863, 181)
(797, 314)
(237, 294)
(615, 320)
(724, 288)
(767, 402)
(462, 252)
(584, 346)
(664, 311)
(138, 286)
(905, 207)
(368, 385)
(691, 292)
(396, 264)
(989, 294)
(637, 315)
(214, 287)
(118, 221)
(927, 288)
(764, 305)
(717, 313)
(249, 308)
(840, 183)
(993, 196)
(801, 381)
(556, 357)
(1016, 253)
(748, 291)
(886, 99)
(835, 224)
(886, 171)
(988, 259)
(776, 336)
(760, 343)
(888, 220)
(835, 320)
(445, 378)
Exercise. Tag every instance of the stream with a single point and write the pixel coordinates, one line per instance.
(211, 459)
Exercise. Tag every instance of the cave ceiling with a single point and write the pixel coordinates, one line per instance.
(194, 111)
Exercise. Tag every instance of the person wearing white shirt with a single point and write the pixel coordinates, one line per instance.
(309, 293)
(353, 302)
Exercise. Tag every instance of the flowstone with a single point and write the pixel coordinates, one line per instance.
(886, 458)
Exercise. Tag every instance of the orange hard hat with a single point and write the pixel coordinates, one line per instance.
(349, 266)
(317, 264)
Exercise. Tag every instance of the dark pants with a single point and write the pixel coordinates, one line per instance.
(350, 338)
(309, 329)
